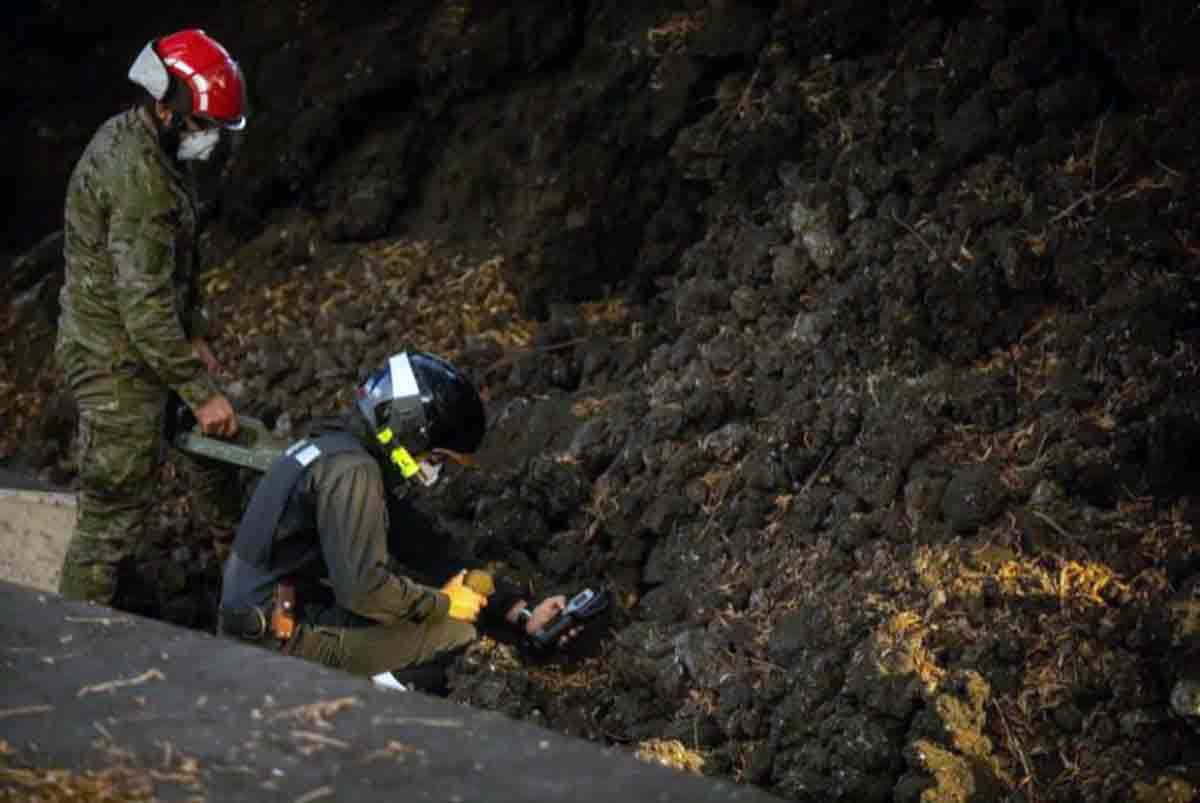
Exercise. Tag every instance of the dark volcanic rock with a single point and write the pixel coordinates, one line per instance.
(972, 497)
(851, 346)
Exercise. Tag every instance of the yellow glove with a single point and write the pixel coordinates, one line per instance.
(480, 581)
(465, 603)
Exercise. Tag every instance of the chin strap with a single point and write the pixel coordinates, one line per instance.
(399, 456)
(427, 467)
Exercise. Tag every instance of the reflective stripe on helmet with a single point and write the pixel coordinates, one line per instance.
(201, 84)
(198, 82)
(180, 65)
(404, 381)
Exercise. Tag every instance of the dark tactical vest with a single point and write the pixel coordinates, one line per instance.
(256, 565)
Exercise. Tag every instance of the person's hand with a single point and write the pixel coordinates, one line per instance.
(204, 352)
(216, 417)
(465, 603)
(544, 613)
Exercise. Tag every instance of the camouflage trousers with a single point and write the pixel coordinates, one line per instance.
(120, 451)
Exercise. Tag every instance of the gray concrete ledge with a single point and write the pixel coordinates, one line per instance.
(83, 688)
(35, 529)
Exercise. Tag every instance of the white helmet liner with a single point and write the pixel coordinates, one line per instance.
(149, 71)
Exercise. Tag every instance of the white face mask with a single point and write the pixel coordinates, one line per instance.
(428, 473)
(198, 144)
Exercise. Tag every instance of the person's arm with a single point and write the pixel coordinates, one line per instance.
(352, 522)
(417, 545)
(199, 325)
(503, 604)
(142, 241)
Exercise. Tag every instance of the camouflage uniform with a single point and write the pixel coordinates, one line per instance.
(128, 312)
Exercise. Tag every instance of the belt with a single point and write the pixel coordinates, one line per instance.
(274, 622)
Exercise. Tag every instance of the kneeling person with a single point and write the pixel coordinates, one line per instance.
(311, 550)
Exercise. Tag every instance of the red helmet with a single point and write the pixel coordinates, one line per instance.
(208, 71)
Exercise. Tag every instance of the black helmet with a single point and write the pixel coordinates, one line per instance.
(420, 402)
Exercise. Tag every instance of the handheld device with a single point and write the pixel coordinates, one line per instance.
(581, 608)
(254, 447)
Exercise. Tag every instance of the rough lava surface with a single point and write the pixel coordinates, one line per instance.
(853, 347)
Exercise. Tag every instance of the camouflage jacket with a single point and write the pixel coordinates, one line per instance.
(129, 300)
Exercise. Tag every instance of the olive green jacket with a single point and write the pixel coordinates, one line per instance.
(129, 301)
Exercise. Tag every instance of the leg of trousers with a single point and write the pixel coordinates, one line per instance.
(337, 638)
(119, 452)
(120, 423)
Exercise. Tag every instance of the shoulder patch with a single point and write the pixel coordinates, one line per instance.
(303, 452)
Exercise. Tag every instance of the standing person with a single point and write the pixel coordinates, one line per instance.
(311, 573)
(131, 329)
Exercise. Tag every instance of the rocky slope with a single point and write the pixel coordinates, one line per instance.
(852, 348)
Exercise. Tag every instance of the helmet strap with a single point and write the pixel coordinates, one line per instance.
(175, 124)
(425, 472)
(398, 455)
(392, 462)
(169, 131)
